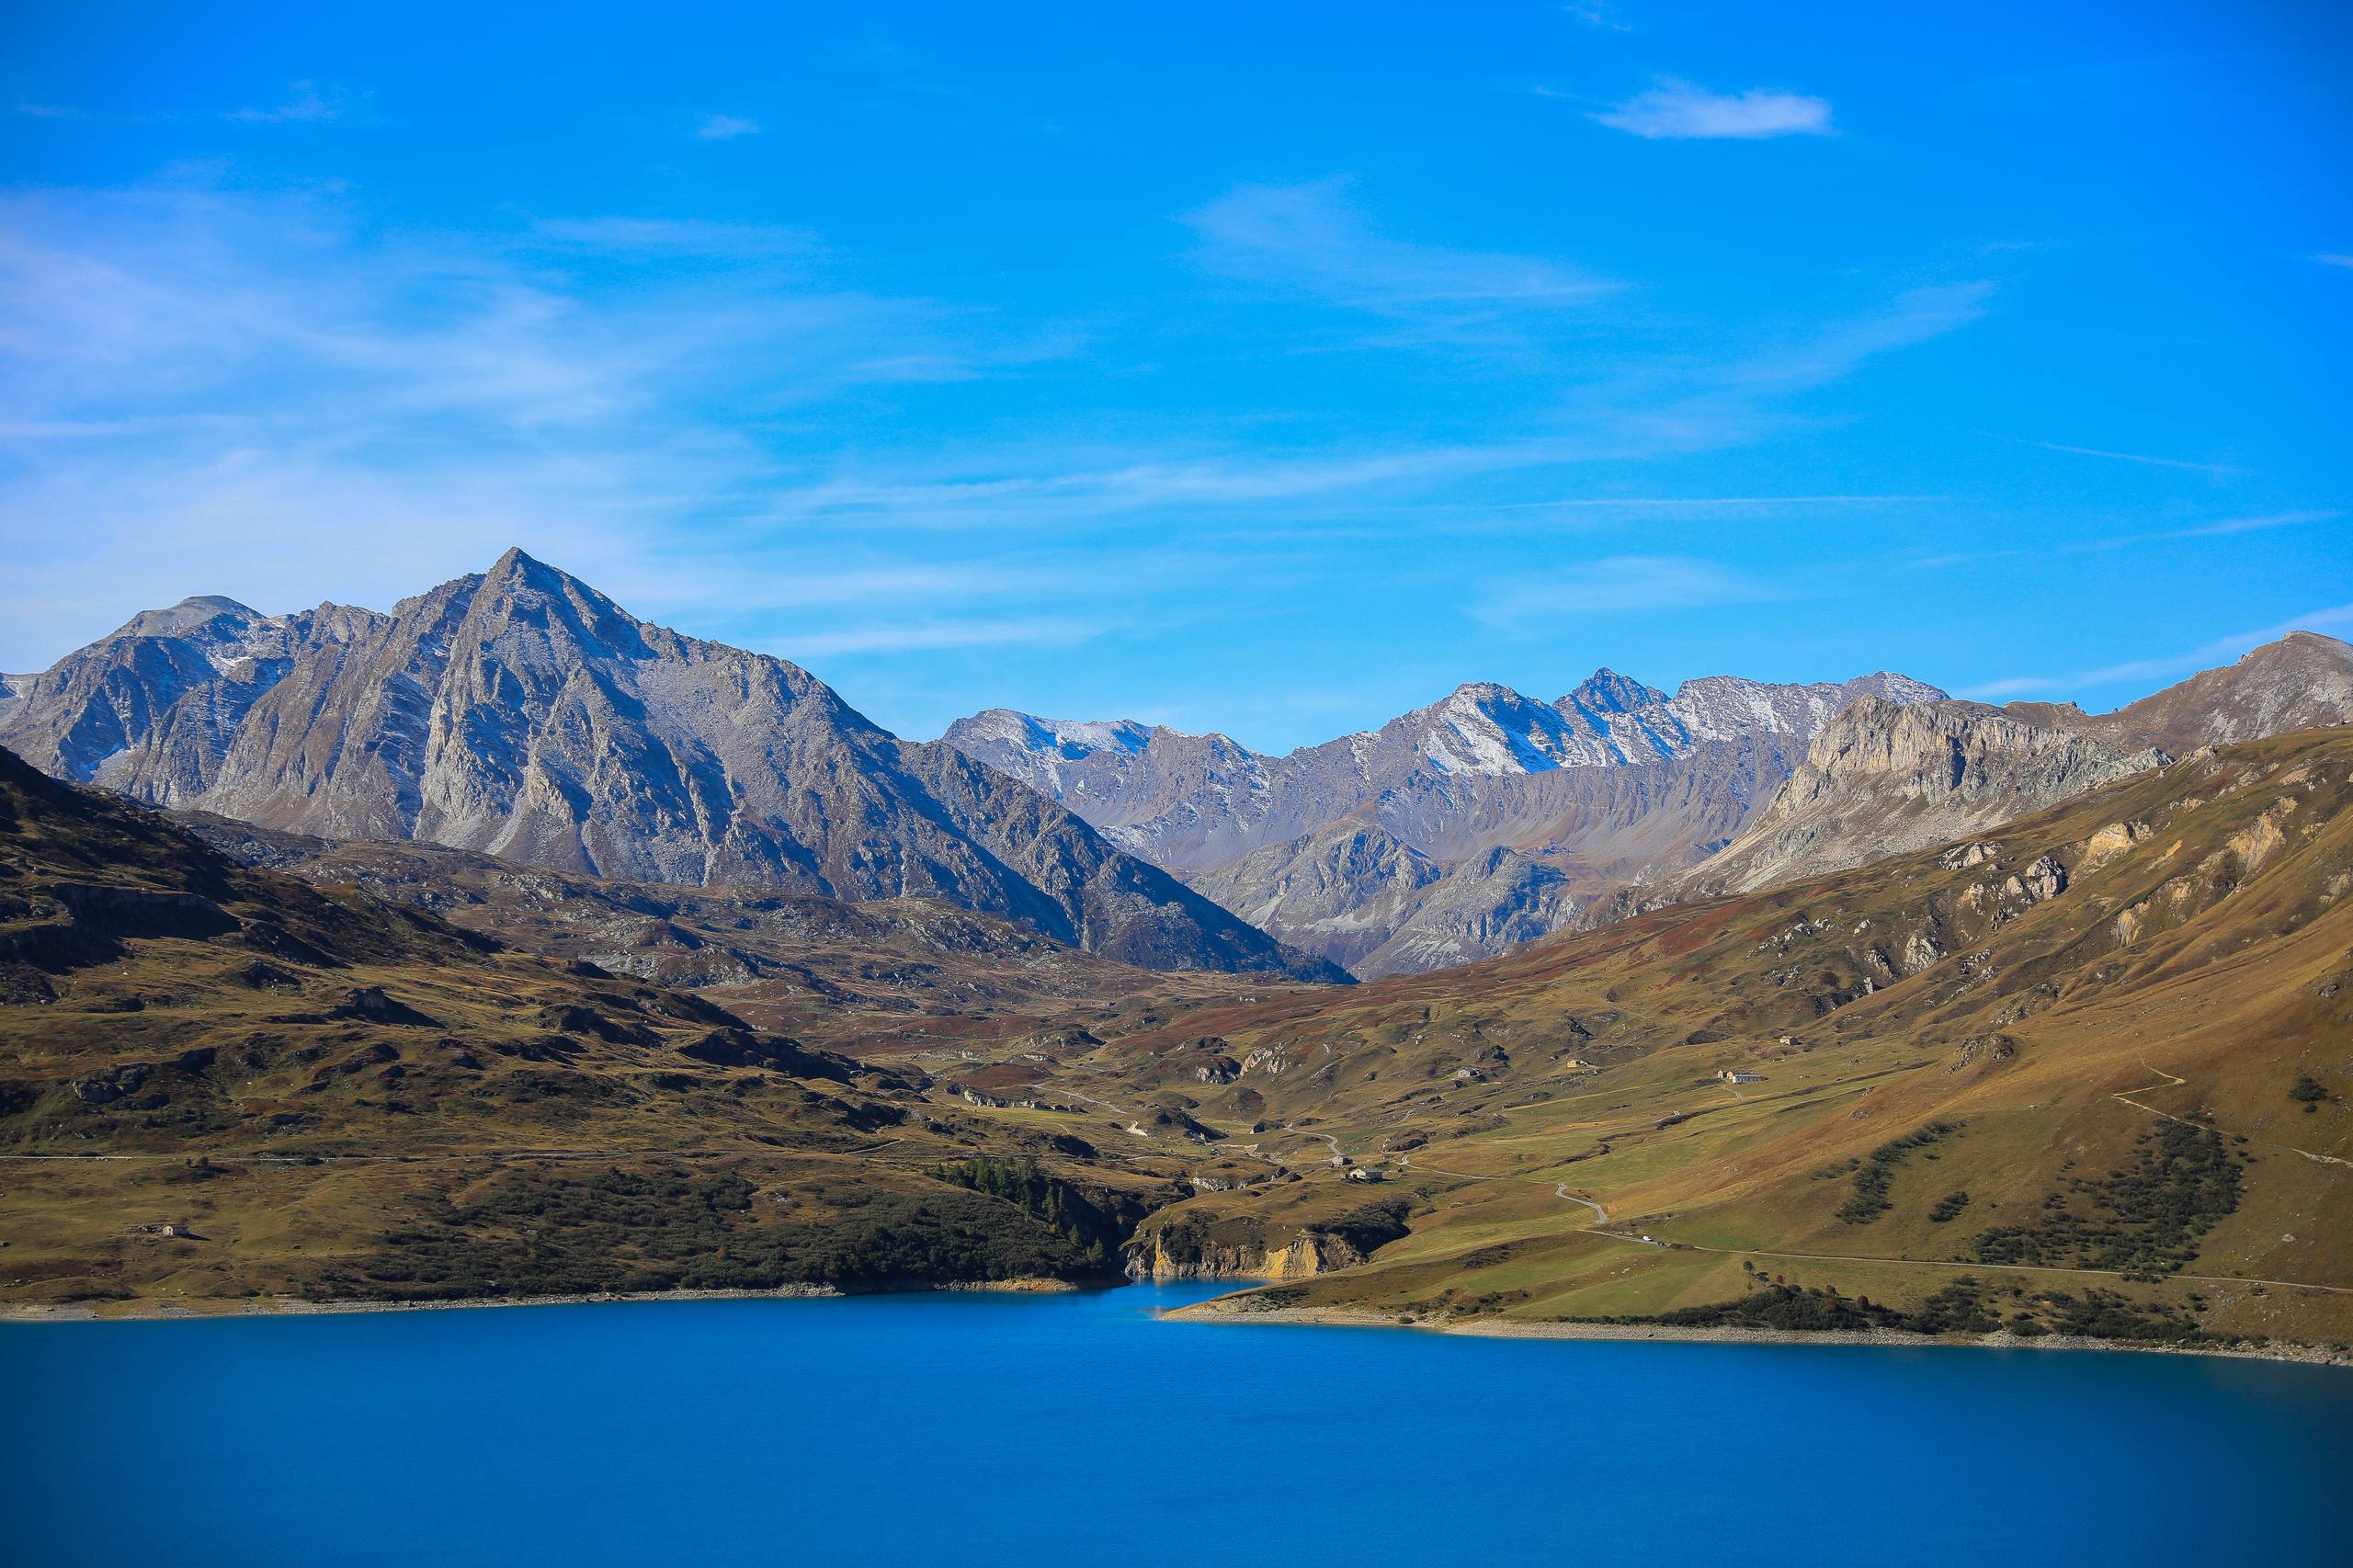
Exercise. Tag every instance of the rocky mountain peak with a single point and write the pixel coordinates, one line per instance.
(1070, 739)
(1607, 691)
(197, 616)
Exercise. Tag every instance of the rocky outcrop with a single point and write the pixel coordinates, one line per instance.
(523, 714)
(1308, 1253)
(1884, 778)
(1884, 781)
(1190, 1242)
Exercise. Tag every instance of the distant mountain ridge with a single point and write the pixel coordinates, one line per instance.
(1882, 780)
(521, 713)
(1449, 832)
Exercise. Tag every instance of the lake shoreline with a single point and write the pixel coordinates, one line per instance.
(1223, 1311)
(1219, 1309)
(292, 1306)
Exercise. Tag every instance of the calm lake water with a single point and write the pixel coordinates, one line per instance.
(977, 1430)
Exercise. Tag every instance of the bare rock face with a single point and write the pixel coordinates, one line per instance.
(1451, 832)
(1884, 780)
(523, 714)
(150, 708)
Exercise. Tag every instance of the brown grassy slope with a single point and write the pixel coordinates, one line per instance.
(343, 1097)
(2187, 925)
(820, 969)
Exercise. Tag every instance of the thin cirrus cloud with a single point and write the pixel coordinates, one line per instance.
(2166, 667)
(676, 237)
(1722, 406)
(2220, 528)
(896, 635)
(1597, 16)
(1677, 111)
(205, 380)
(1828, 354)
(725, 128)
(2130, 456)
(303, 102)
(1616, 585)
(1309, 239)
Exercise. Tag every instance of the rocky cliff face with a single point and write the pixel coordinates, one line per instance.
(1367, 900)
(1884, 780)
(150, 708)
(1449, 832)
(523, 714)
(1303, 1256)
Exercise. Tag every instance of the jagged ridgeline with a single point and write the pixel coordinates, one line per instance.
(1492, 818)
(521, 713)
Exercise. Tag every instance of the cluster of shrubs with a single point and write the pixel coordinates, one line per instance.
(1966, 1305)
(542, 1232)
(1875, 1176)
(1374, 1225)
(2145, 1219)
(1095, 1223)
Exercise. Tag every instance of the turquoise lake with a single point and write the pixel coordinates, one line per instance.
(1072, 1428)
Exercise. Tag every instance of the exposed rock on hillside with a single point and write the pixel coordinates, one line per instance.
(1881, 780)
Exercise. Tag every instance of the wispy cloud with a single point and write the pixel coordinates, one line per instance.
(1309, 239)
(1062, 491)
(1596, 16)
(897, 634)
(1703, 502)
(2219, 528)
(1827, 355)
(2235, 526)
(1615, 586)
(2129, 457)
(725, 128)
(2335, 259)
(1677, 110)
(304, 102)
(676, 236)
(1730, 403)
(209, 382)
(2165, 666)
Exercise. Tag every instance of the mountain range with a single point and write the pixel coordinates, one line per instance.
(1449, 832)
(521, 713)
(1490, 818)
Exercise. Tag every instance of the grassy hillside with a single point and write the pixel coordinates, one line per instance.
(217, 1081)
(2089, 1068)
(819, 969)
(2086, 1074)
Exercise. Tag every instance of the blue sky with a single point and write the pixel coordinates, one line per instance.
(1271, 374)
